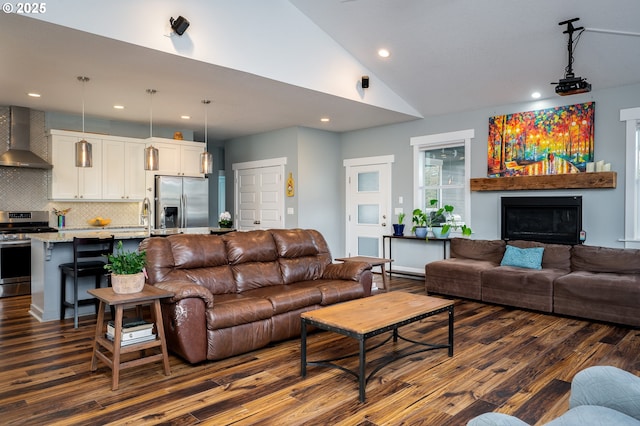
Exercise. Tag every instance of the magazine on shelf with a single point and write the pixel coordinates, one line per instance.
(142, 339)
(130, 325)
(128, 335)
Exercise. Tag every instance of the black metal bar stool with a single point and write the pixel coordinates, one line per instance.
(89, 258)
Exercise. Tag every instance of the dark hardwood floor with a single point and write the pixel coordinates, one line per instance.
(509, 360)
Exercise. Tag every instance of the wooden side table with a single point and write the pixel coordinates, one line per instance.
(373, 261)
(150, 295)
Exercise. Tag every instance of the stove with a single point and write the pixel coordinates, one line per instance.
(15, 249)
(14, 226)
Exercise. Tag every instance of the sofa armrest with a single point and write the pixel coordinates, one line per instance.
(184, 290)
(609, 387)
(345, 271)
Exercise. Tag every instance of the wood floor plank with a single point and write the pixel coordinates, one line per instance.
(505, 359)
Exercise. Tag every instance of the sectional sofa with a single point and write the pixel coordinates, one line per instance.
(597, 283)
(243, 290)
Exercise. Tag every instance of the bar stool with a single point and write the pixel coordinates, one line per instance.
(95, 251)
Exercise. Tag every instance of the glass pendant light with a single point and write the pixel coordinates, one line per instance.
(151, 153)
(83, 148)
(206, 158)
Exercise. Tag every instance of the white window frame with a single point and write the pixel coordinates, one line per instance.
(435, 141)
(632, 178)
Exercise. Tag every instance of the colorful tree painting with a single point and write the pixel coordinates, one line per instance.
(547, 141)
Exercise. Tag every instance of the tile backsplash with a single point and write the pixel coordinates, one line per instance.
(27, 189)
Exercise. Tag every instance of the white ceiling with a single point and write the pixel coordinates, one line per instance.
(446, 56)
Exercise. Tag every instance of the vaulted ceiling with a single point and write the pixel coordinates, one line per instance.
(307, 59)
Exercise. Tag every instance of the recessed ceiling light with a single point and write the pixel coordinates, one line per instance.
(118, 107)
(384, 53)
(535, 95)
(325, 119)
(185, 117)
(34, 95)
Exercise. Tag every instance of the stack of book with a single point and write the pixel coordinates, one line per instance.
(134, 330)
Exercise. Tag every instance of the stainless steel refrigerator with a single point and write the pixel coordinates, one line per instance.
(181, 202)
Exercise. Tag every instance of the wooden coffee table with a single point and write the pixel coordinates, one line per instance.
(371, 316)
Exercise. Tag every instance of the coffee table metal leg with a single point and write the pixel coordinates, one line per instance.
(303, 348)
(361, 373)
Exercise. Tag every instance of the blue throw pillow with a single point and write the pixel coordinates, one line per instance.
(530, 258)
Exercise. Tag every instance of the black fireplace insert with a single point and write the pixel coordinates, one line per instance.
(555, 220)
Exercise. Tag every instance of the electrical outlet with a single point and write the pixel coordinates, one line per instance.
(398, 210)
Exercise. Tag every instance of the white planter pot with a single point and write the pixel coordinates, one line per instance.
(125, 284)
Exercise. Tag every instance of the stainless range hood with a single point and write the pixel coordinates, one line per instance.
(18, 153)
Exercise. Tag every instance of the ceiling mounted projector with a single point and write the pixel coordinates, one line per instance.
(570, 84)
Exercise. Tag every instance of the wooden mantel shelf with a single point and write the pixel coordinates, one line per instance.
(566, 181)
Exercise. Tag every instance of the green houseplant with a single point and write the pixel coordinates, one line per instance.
(419, 220)
(127, 270)
(443, 221)
(398, 228)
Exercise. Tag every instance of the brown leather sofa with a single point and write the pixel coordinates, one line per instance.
(241, 291)
(590, 282)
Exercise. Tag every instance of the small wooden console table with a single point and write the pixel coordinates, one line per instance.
(444, 242)
(150, 295)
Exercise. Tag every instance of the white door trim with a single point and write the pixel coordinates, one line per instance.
(281, 161)
(365, 161)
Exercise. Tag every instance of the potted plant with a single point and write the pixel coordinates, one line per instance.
(127, 270)
(398, 228)
(419, 220)
(225, 220)
(443, 221)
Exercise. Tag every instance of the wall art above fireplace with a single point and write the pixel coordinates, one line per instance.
(543, 142)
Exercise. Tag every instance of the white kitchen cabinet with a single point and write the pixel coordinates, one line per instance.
(190, 159)
(177, 158)
(69, 182)
(123, 174)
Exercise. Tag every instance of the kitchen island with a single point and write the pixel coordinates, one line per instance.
(49, 250)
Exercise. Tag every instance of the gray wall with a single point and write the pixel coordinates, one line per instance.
(603, 216)
(315, 158)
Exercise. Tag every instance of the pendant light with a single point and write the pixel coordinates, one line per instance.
(206, 158)
(83, 148)
(151, 153)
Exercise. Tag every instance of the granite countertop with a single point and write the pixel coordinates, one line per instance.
(64, 237)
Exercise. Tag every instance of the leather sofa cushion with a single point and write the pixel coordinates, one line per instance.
(292, 243)
(287, 298)
(300, 269)
(232, 310)
(197, 251)
(605, 259)
(555, 256)
(488, 250)
(254, 275)
(251, 246)
(218, 280)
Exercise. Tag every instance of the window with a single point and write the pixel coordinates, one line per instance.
(441, 172)
(632, 178)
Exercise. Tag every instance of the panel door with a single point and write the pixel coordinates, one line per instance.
(259, 198)
(368, 215)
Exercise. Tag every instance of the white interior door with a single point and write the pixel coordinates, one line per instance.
(259, 198)
(368, 208)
